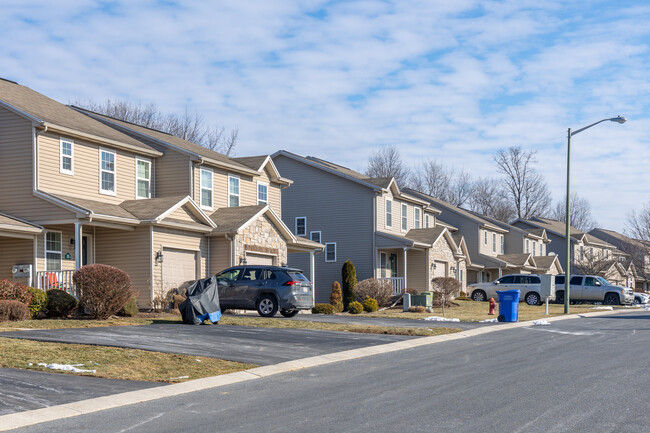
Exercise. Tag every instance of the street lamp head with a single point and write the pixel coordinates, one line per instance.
(618, 119)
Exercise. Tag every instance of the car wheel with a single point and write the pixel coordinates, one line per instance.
(612, 299)
(288, 313)
(532, 298)
(559, 297)
(636, 301)
(267, 306)
(479, 296)
(501, 318)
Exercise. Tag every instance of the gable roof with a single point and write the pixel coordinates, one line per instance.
(12, 224)
(558, 228)
(46, 112)
(538, 233)
(232, 220)
(259, 162)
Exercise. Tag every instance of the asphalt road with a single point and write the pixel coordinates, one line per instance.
(581, 375)
(22, 390)
(260, 346)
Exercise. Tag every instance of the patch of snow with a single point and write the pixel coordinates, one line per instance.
(540, 322)
(198, 360)
(66, 367)
(495, 320)
(602, 308)
(179, 377)
(441, 319)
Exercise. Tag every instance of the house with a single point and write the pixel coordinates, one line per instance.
(638, 250)
(138, 199)
(497, 248)
(384, 231)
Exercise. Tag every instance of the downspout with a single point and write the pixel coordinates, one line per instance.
(374, 235)
(35, 134)
(232, 250)
(191, 180)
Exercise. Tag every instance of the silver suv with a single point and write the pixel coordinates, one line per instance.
(266, 289)
(593, 288)
(528, 284)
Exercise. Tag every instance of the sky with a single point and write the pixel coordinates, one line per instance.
(447, 80)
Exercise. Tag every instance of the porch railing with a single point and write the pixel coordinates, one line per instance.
(398, 284)
(62, 280)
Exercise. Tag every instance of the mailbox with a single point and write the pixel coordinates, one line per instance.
(547, 286)
(21, 271)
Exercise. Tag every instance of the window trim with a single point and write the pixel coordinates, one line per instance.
(114, 172)
(296, 226)
(404, 217)
(388, 222)
(494, 243)
(238, 195)
(417, 218)
(260, 183)
(137, 179)
(502, 238)
(46, 251)
(485, 236)
(527, 246)
(326, 246)
(61, 156)
(320, 235)
(201, 188)
(534, 248)
(426, 220)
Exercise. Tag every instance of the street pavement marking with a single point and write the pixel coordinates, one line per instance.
(52, 413)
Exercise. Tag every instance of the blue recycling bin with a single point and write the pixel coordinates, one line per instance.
(508, 305)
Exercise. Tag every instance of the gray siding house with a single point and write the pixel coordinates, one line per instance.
(385, 232)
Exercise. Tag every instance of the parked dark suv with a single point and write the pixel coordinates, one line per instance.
(266, 289)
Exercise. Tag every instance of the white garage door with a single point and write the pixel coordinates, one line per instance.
(440, 270)
(259, 259)
(179, 266)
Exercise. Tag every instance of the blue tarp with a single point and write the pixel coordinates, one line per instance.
(202, 302)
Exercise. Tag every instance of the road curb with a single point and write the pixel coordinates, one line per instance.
(37, 416)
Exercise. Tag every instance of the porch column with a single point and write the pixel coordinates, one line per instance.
(78, 240)
(311, 274)
(500, 272)
(405, 285)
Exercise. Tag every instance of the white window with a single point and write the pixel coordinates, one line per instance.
(582, 252)
(494, 242)
(426, 221)
(591, 252)
(503, 244)
(647, 259)
(107, 172)
(206, 188)
(262, 193)
(405, 220)
(485, 234)
(142, 178)
(53, 251)
(330, 252)
(389, 213)
(315, 236)
(66, 159)
(301, 226)
(233, 191)
(416, 217)
(527, 245)
(534, 248)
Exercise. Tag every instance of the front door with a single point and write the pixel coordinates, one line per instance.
(86, 250)
(393, 265)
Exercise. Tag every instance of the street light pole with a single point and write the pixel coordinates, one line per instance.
(567, 269)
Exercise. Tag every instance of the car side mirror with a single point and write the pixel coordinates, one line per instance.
(222, 282)
(598, 283)
(496, 282)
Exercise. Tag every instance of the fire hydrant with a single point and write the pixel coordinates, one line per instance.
(492, 306)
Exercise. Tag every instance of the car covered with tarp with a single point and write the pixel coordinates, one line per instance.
(202, 302)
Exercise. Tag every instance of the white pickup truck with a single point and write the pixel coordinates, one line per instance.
(594, 289)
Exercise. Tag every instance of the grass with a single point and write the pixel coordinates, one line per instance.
(471, 311)
(114, 363)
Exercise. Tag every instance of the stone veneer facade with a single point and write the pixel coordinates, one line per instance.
(261, 237)
(441, 251)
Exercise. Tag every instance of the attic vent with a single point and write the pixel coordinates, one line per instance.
(9, 81)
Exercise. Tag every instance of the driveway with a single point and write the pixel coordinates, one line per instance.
(261, 346)
(22, 390)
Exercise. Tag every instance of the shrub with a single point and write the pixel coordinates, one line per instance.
(13, 311)
(103, 289)
(349, 277)
(322, 309)
(39, 302)
(355, 308)
(417, 309)
(380, 290)
(177, 300)
(336, 298)
(130, 309)
(370, 305)
(60, 303)
(11, 291)
(412, 291)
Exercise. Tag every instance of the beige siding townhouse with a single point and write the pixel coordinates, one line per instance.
(497, 248)
(370, 221)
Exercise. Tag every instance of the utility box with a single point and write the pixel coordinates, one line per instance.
(406, 300)
(547, 286)
(22, 271)
(424, 299)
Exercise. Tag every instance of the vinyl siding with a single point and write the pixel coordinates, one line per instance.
(85, 181)
(341, 209)
(416, 270)
(15, 251)
(219, 254)
(67, 233)
(396, 226)
(129, 251)
(172, 174)
(183, 214)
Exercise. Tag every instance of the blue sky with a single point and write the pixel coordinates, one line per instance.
(450, 80)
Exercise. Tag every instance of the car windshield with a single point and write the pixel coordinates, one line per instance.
(603, 281)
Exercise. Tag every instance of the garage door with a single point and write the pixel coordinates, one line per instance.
(259, 259)
(179, 266)
(440, 270)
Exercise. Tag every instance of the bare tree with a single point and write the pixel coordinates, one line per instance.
(387, 162)
(188, 126)
(525, 187)
(446, 288)
(460, 188)
(592, 264)
(489, 199)
(638, 223)
(581, 217)
(446, 184)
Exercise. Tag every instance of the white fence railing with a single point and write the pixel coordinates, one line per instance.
(62, 280)
(398, 284)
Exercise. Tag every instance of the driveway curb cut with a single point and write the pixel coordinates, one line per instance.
(52, 413)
